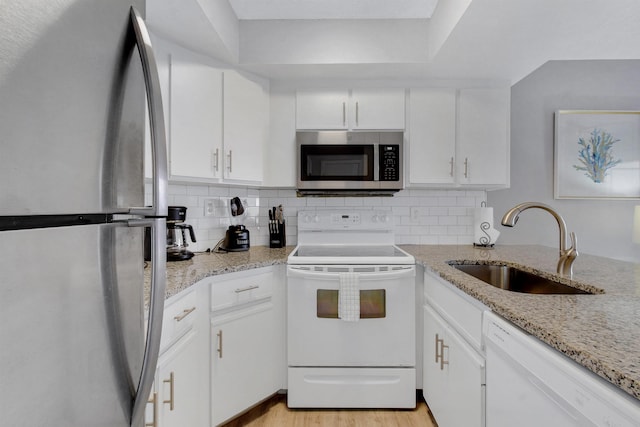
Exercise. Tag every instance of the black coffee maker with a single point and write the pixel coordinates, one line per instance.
(177, 234)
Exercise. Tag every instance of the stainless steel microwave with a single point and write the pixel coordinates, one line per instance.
(349, 163)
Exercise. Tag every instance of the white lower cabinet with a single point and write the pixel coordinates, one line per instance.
(182, 385)
(180, 391)
(453, 376)
(246, 342)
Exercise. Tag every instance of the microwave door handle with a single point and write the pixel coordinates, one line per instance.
(158, 206)
(159, 210)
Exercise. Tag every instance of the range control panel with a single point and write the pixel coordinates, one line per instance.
(345, 220)
(389, 159)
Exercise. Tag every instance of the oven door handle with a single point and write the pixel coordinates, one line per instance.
(409, 270)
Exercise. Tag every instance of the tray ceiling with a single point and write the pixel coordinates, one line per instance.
(333, 9)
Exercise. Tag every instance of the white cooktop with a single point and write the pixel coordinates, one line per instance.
(347, 237)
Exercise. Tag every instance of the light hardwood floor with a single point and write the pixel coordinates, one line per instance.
(274, 413)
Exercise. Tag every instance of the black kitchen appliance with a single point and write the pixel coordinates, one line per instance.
(177, 234)
(236, 239)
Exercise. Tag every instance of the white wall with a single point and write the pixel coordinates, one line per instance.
(603, 227)
(421, 216)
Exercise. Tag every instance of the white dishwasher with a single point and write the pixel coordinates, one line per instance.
(530, 384)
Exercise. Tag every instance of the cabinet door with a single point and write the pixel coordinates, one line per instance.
(377, 109)
(483, 137)
(245, 360)
(432, 136)
(326, 109)
(196, 120)
(452, 384)
(181, 384)
(246, 115)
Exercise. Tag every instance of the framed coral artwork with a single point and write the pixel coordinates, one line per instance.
(597, 154)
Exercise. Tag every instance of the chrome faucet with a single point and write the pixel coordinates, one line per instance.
(567, 255)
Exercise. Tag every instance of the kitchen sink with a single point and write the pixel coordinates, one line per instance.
(516, 280)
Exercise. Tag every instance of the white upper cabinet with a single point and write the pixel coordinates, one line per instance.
(364, 109)
(377, 109)
(218, 121)
(196, 120)
(246, 126)
(432, 136)
(459, 137)
(483, 137)
(322, 109)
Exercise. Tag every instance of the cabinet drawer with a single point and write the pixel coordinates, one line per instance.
(179, 317)
(236, 289)
(460, 310)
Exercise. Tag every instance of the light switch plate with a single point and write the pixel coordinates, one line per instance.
(209, 207)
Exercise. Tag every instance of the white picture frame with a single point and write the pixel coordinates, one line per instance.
(597, 154)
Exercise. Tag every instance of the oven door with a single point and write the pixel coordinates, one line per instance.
(384, 335)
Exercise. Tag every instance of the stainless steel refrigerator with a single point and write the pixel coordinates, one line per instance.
(75, 346)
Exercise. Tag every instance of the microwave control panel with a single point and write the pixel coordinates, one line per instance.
(389, 156)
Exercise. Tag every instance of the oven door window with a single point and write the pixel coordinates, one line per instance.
(372, 304)
(337, 162)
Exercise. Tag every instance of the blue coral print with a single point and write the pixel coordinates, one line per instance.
(596, 155)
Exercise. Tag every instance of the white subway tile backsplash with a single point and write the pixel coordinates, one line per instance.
(421, 216)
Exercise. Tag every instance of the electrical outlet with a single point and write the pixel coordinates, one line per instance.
(415, 214)
(209, 207)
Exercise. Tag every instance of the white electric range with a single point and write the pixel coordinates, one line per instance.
(351, 313)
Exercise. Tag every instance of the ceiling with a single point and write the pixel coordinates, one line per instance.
(400, 40)
(333, 9)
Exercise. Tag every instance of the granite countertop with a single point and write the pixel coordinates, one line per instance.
(183, 274)
(601, 332)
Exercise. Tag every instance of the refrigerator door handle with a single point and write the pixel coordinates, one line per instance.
(156, 120)
(156, 309)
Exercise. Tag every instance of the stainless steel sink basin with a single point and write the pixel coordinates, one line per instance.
(516, 280)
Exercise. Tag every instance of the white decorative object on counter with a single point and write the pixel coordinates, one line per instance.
(483, 231)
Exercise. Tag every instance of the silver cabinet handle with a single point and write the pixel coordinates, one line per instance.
(215, 158)
(442, 361)
(344, 114)
(466, 167)
(219, 350)
(153, 400)
(451, 165)
(171, 389)
(357, 114)
(185, 313)
(440, 354)
(248, 288)
(156, 120)
(229, 156)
